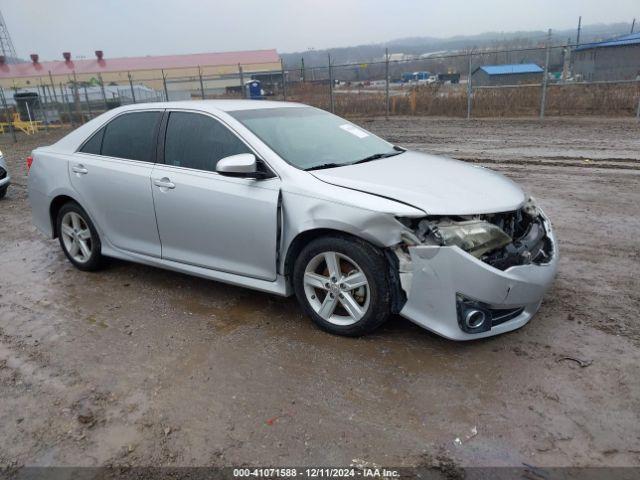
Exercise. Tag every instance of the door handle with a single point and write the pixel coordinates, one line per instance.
(164, 183)
(79, 169)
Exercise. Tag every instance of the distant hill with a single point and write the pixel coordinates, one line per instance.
(422, 45)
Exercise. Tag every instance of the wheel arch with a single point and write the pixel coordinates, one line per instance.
(55, 206)
(304, 238)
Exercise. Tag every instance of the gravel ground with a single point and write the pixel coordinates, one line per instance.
(138, 366)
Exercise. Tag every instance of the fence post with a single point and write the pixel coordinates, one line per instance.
(56, 104)
(86, 98)
(76, 98)
(331, 102)
(386, 77)
(201, 84)
(469, 87)
(133, 93)
(543, 100)
(164, 84)
(104, 94)
(284, 81)
(242, 89)
(65, 96)
(53, 87)
(43, 106)
(9, 119)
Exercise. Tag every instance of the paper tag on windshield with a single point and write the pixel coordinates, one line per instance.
(354, 130)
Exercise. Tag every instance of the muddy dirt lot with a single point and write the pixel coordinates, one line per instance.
(135, 365)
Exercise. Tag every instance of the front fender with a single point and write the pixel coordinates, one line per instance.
(302, 214)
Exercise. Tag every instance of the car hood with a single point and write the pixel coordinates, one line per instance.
(437, 185)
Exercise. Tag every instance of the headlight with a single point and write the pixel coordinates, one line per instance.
(474, 236)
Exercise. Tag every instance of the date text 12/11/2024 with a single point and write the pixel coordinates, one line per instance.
(315, 472)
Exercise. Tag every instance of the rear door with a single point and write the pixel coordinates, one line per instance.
(206, 219)
(112, 174)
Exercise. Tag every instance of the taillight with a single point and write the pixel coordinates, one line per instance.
(29, 162)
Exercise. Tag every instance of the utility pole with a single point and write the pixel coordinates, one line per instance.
(579, 30)
(386, 83)
(201, 83)
(633, 25)
(543, 101)
(469, 90)
(302, 72)
(284, 80)
(242, 89)
(331, 101)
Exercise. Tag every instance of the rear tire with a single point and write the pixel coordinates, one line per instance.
(324, 274)
(3, 192)
(78, 237)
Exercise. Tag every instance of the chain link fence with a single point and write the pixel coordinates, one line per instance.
(439, 84)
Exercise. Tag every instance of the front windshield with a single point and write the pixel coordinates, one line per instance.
(310, 138)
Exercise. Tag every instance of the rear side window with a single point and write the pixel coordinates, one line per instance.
(131, 136)
(198, 141)
(94, 144)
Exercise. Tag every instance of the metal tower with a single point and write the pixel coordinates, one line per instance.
(6, 45)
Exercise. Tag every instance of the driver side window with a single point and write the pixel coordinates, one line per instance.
(198, 141)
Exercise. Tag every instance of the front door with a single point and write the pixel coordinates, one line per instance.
(206, 219)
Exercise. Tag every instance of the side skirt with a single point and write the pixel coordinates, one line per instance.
(279, 287)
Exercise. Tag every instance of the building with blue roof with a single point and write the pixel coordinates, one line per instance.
(613, 59)
(513, 74)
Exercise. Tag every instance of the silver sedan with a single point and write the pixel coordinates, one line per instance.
(289, 199)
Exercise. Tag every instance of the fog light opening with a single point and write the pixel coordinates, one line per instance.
(474, 318)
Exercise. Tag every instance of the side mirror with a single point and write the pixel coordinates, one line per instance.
(242, 165)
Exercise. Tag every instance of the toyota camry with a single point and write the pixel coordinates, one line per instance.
(290, 199)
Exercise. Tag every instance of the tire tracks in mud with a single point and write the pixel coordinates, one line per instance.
(575, 162)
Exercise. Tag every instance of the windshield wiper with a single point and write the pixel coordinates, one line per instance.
(376, 156)
(324, 165)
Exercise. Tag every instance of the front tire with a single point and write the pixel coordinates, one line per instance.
(343, 284)
(3, 192)
(78, 237)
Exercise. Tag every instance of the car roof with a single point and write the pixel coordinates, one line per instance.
(214, 105)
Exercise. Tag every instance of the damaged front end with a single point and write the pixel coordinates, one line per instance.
(472, 276)
(501, 240)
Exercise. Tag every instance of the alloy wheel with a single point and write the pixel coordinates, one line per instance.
(76, 237)
(337, 288)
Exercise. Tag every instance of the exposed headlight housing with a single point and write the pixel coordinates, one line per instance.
(474, 236)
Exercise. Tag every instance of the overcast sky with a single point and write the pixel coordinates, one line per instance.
(156, 27)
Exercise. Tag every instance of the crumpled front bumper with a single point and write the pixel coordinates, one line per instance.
(439, 273)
